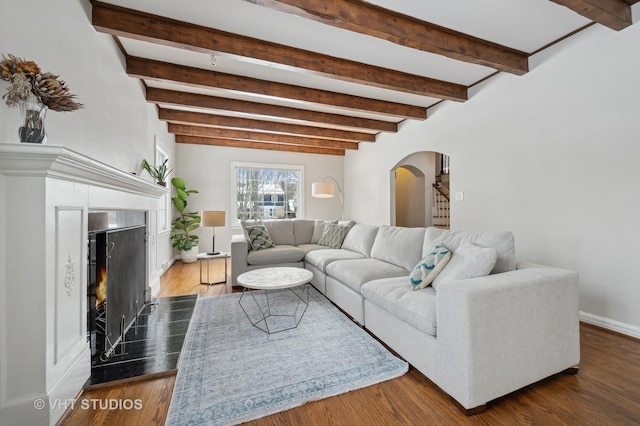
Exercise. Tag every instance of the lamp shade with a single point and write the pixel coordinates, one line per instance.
(322, 190)
(213, 218)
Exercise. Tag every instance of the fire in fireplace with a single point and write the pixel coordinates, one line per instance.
(117, 279)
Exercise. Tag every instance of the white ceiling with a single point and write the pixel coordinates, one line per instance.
(524, 25)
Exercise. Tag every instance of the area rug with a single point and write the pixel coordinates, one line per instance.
(232, 372)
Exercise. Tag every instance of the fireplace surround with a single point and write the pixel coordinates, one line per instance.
(46, 194)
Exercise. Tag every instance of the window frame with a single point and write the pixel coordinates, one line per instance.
(164, 213)
(235, 165)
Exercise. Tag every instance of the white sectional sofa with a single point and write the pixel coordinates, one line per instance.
(477, 338)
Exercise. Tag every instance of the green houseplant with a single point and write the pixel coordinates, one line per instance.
(159, 173)
(183, 226)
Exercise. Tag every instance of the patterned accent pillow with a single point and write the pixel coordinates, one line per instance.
(333, 235)
(258, 237)
(429, 267)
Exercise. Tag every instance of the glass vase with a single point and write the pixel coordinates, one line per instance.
(33, 116)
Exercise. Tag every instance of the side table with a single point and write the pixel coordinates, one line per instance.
(202, 257)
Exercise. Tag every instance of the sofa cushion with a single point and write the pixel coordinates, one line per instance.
(467, 261)
(303, 231)
(321, 258)
(429, 267)
(281, 231)
(418, 308)
(310, 247)
(501, 241)
(398, 245)
(278, 254)
(318, 229)
(354, 273)
(360, 239)
(333, 235)
(258, 237)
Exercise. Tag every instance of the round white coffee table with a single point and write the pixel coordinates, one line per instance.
(273, 311)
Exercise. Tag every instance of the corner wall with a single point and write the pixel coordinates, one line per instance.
(552, 156)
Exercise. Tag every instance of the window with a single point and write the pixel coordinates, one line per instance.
(164, 212)
(266, 191)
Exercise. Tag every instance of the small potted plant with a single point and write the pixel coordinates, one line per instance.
(182, 226)
(159, 173)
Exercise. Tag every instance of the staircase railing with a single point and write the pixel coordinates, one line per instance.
(441, 217)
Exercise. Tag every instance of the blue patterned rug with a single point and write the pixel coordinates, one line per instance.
(231, 372)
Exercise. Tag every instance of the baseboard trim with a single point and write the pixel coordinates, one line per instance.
(620, 327)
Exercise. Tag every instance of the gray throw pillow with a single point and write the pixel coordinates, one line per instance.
(333, 235)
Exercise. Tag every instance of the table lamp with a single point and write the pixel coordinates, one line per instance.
(213, 218)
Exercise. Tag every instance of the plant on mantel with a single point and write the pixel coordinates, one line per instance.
(183, 226)
(159, 173)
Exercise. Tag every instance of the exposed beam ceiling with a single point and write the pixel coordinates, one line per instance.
(212, 120)
(163, 71)
(245, 135)
(157, 29)
(615, 14)
(375, 21)
(172, 97)
(256, 145)
(323, 76)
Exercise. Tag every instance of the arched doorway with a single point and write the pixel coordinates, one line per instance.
(420, 190)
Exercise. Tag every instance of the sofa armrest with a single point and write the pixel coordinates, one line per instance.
(499, 333)
(239, 251)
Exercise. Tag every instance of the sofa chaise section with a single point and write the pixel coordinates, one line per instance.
(492, 335)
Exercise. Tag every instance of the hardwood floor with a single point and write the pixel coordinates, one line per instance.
(606, 391)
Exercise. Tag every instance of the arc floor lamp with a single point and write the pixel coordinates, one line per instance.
(213, 218)
(324, 189)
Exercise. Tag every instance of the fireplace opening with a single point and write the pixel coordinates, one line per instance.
(117, 280)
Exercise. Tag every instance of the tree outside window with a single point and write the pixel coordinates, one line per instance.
(263, 191)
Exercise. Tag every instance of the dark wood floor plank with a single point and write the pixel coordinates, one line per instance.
(606, 391)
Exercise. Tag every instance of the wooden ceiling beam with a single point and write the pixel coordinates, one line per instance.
(615, 14)
(257, 145)
(129, 23)
(163, 71)
(172, 97)
(245, 135)
(372, 20)
(212, 120)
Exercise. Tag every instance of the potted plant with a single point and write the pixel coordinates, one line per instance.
(182, 226)
(159, 173)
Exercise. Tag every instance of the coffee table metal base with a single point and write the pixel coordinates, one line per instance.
(274, 312)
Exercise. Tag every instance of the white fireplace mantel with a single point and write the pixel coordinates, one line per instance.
(58, 162)
(46, 192)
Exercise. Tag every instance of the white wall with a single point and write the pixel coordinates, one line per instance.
(116, 125)
(552, 156)
(208, 169)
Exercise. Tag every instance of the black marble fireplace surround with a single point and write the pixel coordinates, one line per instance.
(128, 336)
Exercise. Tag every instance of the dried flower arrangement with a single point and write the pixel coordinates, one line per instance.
(28, 82)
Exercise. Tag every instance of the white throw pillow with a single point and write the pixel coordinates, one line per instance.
(467, 261)
(429, 267)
